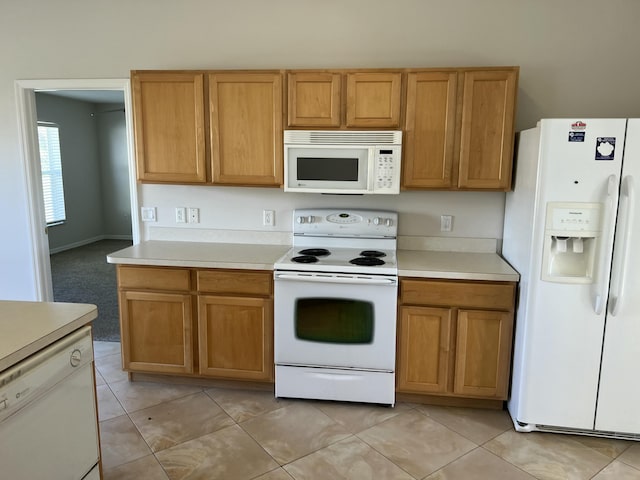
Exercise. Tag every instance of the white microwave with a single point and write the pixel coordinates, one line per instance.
(342, 161)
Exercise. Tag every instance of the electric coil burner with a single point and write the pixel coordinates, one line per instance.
(304, 259)
(367, 261)
(335, 307)
(316, 252)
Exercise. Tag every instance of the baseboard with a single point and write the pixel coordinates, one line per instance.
(446, 401)
(87, 241)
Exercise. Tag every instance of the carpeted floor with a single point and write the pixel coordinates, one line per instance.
(82, 275)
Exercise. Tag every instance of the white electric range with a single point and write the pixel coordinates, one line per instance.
(335, 307)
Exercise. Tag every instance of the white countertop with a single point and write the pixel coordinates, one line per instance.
(200, 254)
(26, 327)
(455, 265)
(411, 263)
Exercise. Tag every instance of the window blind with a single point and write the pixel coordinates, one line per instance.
(51, 167)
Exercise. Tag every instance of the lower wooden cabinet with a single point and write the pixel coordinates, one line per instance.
(197, 322)
(235, 337)
(424, 337)
(455, 338)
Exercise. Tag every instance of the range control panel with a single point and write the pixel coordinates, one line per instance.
(345, 223)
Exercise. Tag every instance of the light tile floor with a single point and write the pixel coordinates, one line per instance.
(155, 431)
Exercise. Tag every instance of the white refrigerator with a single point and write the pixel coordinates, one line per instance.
(572, 231)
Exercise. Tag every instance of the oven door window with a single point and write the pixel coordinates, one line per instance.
(334, 320)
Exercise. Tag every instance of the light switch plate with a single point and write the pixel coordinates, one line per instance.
(181, 215)
(148, 214)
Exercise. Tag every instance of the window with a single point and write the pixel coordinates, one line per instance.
(51, 167)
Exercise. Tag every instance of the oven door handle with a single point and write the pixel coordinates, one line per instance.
(336, 279)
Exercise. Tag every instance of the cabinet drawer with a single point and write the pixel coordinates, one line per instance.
(235, 281)
(154, 278)
(495, 296)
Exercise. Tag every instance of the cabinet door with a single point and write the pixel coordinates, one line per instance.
(156, 332)
(487, 130)
(430, 122)
(424, 341)
(236, 337)
(246, 128)
(483, 353)
(373, 99)
(314, 99)
(168, 113)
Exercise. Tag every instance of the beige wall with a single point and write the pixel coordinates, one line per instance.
(577, 58)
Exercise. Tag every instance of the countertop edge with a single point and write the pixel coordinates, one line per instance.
(471, 276)
(46, 340)
(155, 262)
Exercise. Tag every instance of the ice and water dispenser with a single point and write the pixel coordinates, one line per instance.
(572, 234)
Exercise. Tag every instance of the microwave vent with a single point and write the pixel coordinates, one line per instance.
(342, 137)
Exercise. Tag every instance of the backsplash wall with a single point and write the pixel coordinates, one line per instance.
(475, 214)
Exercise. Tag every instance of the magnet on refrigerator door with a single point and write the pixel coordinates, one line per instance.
(605, 148)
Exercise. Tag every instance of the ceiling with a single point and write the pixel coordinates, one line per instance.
(92, 96)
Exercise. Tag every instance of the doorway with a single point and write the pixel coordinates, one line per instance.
(25, 93)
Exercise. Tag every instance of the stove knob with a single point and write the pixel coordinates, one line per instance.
(377, 221)
(307, 219)
(388, 222)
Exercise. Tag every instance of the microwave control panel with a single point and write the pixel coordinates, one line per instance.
(387, 168)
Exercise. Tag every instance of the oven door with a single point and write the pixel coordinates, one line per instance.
(335, 320)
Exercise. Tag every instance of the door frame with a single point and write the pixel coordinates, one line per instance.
(30, 159)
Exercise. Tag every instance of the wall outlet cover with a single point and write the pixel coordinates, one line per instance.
(194, 215)
(268, 218)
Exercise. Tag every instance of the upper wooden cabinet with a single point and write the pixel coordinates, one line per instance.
(430, 123)
(459, 129)
(225, 127)
(168, 113)
(372, 100)
(245, 127)
(245, 112)
(487, 131)
(314, 99)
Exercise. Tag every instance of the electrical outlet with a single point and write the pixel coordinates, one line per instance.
(148, 214)
(181, 215)
(194, 215)
(446, 223)
(268, 218)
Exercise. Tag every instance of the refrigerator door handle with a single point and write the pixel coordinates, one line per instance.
(619, 271)
(599, 287)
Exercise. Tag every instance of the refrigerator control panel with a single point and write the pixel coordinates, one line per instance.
(573, 217)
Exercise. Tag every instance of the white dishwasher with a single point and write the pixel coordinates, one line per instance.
(48, 421)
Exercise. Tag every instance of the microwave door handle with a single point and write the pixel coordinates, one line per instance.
(373, 169)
